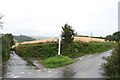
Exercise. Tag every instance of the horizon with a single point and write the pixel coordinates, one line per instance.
(54, 36)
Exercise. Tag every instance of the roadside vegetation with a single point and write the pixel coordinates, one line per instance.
(76, 49)
(112, 67)
(7, 42)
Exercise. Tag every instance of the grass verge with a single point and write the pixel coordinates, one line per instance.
(57, 61)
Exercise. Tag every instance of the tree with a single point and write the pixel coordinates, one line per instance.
(109, 37)
(116, 36)
(67, 34)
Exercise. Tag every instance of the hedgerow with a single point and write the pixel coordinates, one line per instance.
(50, 49)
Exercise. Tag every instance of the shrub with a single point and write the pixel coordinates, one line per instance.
(112, 67)
(7, 42)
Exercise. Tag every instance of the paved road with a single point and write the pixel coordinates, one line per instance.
(85, 67)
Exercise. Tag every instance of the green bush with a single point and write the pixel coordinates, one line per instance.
(112, 67)
(57, 61)
(7, 42)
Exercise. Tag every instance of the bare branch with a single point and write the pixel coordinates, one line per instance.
(1, 26)
(1, 16)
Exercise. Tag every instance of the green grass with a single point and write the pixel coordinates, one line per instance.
(57, 61)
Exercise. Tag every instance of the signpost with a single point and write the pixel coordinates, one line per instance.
(59, 46)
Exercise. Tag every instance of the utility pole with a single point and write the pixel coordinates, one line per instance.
(91, 36)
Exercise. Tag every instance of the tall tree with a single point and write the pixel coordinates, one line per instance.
(67, 34)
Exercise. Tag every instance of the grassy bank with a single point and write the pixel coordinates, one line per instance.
(76, 49)
(112, 67)
(57, 61)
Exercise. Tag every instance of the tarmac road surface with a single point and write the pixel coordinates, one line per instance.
(86, 67)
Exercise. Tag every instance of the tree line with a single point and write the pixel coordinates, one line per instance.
(114, 37)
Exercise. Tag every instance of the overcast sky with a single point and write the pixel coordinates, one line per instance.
(45, 17)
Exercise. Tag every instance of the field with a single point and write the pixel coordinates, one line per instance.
(88, 39)
(83, 39)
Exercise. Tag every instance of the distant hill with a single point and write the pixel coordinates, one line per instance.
(39, 37)
(23, 38)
